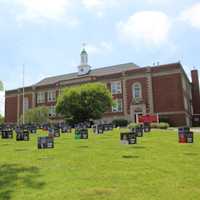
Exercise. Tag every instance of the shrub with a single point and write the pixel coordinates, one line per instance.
(133, 125)
(161, 125)
(120, 122)
(164, 119)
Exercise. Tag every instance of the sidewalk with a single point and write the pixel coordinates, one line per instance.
(195, 129)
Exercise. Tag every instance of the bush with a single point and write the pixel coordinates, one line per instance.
(164, 119)
(120, 122)
(133, 125)
(161, 125)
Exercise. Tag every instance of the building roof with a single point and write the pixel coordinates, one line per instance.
(95, 72)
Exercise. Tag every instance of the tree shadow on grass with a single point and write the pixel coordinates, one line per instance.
(11, 175)
(83, 147)
(138, 147)
(191, 154)
(21, 149)
(129, 156)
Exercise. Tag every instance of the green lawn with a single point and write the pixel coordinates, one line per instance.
(157, 168)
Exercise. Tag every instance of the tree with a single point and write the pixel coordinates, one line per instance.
(1, 119)
(36, 115)
(1, 86)
(85, 102)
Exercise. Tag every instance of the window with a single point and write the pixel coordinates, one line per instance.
(116, 87)
(136, 90)
(41, 97)
(52, 111)
(51, 97)
(117, 106)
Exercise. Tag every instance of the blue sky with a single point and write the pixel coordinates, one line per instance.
(46, 35)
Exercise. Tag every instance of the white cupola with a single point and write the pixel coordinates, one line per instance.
(84, 68)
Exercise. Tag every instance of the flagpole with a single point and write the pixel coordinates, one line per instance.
(23, 95)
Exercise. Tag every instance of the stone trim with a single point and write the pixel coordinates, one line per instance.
(172, 113)
(150, 91)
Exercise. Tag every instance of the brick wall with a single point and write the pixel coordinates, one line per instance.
(168, 93)
(11, 109)
(175, 120)
(195, 92)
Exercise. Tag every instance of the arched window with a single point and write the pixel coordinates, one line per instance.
(137, 90)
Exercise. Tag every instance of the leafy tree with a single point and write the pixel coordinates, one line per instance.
(1, 86)
(85, 102)
(36, 115)
(1, 119)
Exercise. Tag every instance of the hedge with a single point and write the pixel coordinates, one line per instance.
(161, 125)
(120, 122)
(133, 125)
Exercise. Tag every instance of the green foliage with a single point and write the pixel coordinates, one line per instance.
(133, 125)
(36, 115)
(1, 86)
(85, 102)
(164, 119)
(1, 119)
(120, 122)
(161, 125)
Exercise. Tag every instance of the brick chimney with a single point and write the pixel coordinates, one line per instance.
(195, 91)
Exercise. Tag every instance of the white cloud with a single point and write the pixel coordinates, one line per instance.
(95, 6)
(149, 27)
(99, 7)
(98, 49)
(41, 10)
(192, 15)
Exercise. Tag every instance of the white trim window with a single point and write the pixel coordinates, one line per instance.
(117, 105)
(116, 87)
(51, 96)
(52, 111)
(137, 90)
(41, 97)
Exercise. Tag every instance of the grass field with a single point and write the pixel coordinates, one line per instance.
(101, 168)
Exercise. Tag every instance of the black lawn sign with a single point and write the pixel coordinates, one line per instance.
(32, 129)
(54, 132)
(139, 131)
(81, 134)
(185, 135)
(190, 137)
(128, 138)
(65, 129)
(22, 136)
(7, 134)
(108, 127)
(45, 142)
(98, 129)
(147, 127)
(45, 127)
